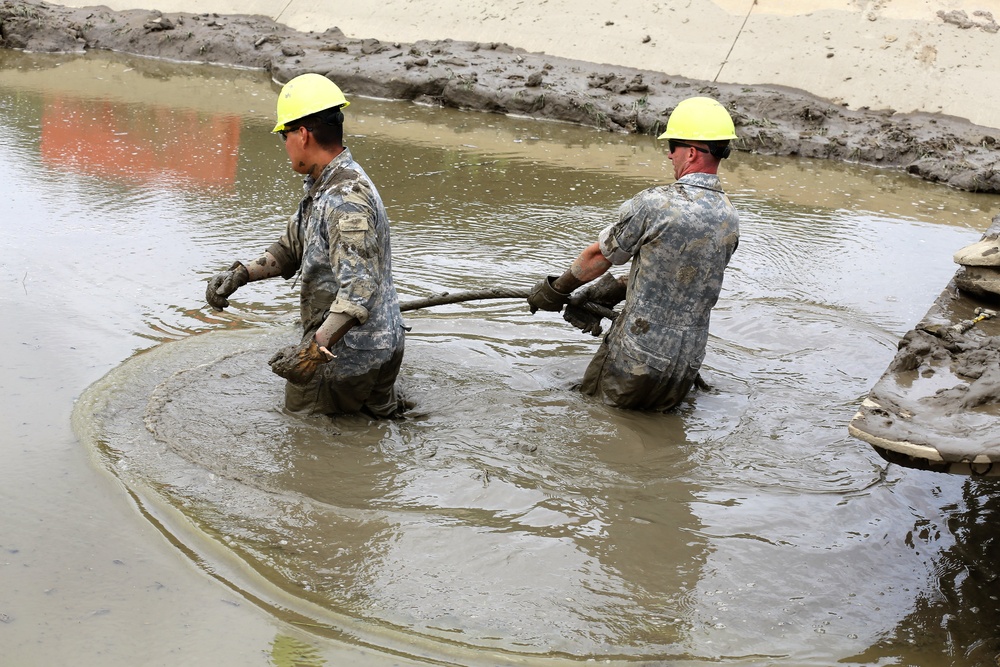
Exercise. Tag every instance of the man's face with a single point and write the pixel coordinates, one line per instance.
(686, 157)
(294, 144)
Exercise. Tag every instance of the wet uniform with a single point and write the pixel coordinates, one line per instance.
(680, 238)
(339, 239)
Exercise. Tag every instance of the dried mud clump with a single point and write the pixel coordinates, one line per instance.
(497, 77)
(982, 20)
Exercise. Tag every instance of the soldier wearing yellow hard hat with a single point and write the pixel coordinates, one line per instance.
(305, 95)
(338, 242)
(679, 239)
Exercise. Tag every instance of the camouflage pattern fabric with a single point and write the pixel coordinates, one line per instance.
(680, 238)
(374, 393)
(339, 240)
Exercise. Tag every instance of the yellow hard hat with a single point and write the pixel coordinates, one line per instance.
(700, 119)
(304, 95)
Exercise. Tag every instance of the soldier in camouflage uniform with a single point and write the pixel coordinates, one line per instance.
(352, 344)
(680, 238)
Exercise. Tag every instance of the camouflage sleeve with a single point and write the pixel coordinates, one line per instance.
(356, 258)
(620, 241)
(288, 249)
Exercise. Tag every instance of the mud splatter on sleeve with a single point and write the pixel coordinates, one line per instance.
(355, 255)
(347, 265)
(288, 249)
(620, 241)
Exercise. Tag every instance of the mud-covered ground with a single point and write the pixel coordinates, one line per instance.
(942, 389)
(499, 78)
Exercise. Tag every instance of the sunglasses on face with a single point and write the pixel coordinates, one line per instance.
(674, 145)
(285, 132)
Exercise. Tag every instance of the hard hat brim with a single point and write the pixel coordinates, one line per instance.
(283, 126)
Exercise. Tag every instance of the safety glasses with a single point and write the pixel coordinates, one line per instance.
(285, 132)
(674, 145)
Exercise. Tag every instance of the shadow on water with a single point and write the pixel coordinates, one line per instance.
(506, 518)
(955, 615)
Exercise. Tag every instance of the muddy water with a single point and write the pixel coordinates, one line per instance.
(185, 518)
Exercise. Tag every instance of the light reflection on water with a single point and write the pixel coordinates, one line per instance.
(506, 512)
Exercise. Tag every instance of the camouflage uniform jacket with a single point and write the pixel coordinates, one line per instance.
(339, 239)
(680, 238)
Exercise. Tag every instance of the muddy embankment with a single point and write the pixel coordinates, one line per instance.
(499, 78)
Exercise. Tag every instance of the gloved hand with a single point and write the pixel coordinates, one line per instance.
(607, 292)
(298, 363)
(222, 285)
(546, 297)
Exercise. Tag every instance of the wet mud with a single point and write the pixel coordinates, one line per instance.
(515, 506)
(497, 77)
(506, 520)
(941, 392)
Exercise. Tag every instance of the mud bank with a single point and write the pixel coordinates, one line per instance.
(496, 77)
(937, 406)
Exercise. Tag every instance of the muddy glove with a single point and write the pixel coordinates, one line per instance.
(546, 297)
(298, 363)
(607, 292)
(222, 285)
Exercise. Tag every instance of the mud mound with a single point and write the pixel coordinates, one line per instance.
(937, 406)
(498, 78)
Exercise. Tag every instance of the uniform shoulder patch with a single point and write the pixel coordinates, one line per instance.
(353, 222)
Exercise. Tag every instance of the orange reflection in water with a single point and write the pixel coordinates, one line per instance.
(140, 143)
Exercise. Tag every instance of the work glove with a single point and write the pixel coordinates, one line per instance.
(298, 363)
(222, 285)
(546, 297)
(607, 292)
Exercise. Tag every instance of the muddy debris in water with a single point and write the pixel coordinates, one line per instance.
(496, 77)
(942, 388)
(973, 358)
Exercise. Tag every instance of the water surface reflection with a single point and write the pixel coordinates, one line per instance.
(507, 516)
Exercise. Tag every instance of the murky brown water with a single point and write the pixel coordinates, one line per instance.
(507, 520)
